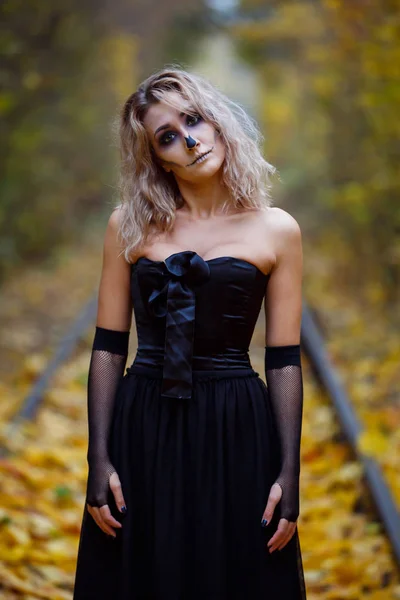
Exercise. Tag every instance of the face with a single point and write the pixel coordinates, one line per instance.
(167, 128)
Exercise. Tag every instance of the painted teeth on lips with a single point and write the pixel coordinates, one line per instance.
(201, 158)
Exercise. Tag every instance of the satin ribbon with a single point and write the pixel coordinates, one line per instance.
(176, 301)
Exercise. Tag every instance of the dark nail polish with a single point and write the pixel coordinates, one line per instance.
(123, 509)
(264, 522)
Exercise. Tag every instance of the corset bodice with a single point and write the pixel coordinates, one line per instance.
(192, 313)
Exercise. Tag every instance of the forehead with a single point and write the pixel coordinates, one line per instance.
(161, 113)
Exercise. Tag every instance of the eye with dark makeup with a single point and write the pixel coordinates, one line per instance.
(191, 121)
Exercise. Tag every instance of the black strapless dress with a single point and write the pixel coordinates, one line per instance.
(195, 446)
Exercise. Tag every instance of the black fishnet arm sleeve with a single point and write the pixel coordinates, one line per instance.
(107, 365)
(284, 379)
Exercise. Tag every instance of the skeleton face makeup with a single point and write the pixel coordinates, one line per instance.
(184, 144)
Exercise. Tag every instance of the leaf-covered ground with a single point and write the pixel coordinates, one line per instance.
(42, 481)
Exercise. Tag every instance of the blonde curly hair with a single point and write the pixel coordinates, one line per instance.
(148, 196)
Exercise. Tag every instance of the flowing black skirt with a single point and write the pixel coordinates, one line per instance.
(195, 475)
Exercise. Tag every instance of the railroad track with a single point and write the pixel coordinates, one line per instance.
(314, 348)
(319, 362)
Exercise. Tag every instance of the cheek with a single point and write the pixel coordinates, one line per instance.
(171, 154)
(211, 137)
(219, 145)
(208, 133)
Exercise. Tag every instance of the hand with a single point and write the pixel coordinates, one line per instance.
(102, 515)
(286, 529)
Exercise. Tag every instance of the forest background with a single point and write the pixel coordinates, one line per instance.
(323, 80)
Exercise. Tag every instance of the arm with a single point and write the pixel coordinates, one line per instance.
(283, 307)
(108, 360)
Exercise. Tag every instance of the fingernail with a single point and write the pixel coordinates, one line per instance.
(264, 522)
(123, 509)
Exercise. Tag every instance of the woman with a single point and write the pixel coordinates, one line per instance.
(193, 486)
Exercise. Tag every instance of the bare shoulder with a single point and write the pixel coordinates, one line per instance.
(113, 224)
(283, 228)
(111, 238)
(281, 222)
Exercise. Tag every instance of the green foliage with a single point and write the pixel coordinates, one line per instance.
(185, 34)
(58, 97)
(62, 492)
(331, 74)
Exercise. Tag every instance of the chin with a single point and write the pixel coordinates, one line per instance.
(211, 166)
(206, 172)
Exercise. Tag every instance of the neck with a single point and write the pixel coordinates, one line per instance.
(203, 200)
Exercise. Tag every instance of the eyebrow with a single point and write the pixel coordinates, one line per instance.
(166, 126)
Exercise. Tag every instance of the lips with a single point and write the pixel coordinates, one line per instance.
(198, 158)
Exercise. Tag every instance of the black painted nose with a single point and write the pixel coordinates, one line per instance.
(190, 142)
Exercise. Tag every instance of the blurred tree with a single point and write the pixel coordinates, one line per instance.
(166, 29)
(331, 73)
(59, 89)
(64, 71)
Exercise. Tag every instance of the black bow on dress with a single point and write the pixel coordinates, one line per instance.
(176, 302)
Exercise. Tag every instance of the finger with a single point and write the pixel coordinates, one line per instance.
(273, 499)
(108, 518)
(285, 542)
(279, 535)
(95, 512)
(276, 540)
(100, 524)
(116, 488)
(289, 535)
